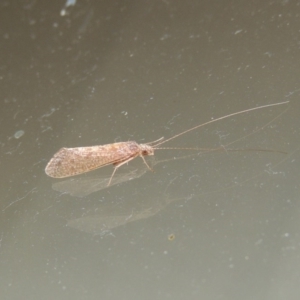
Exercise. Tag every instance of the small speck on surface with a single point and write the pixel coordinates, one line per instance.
(19, 134)
(171, 237)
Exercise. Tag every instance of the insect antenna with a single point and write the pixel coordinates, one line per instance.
(155, 141)
(222, 148)
(218, 119)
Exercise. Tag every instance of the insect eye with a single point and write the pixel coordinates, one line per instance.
(145, 152)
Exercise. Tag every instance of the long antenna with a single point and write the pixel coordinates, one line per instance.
(205, 150)
(218, 119)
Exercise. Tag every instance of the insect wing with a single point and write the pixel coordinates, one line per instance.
(73, 161)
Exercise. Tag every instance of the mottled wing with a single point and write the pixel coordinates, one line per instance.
(73, 161)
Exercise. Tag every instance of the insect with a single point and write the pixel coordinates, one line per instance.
(74, 161)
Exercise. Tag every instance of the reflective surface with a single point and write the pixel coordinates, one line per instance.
(216, 225)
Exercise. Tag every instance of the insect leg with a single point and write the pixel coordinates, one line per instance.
(118, 166)
(146, 163)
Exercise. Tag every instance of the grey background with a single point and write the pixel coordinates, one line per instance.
(220, 225)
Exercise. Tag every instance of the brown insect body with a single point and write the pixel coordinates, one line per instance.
(74, 161)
